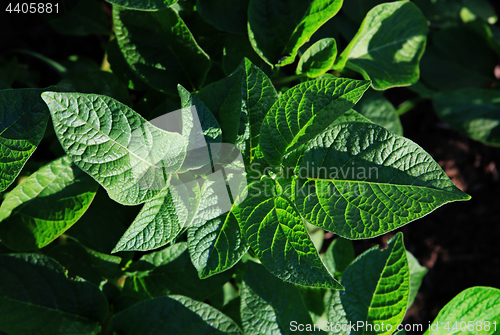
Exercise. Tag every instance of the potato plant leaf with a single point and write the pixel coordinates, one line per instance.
(23, 119)
(45, 205)
(339, 255)
(227, 15)
(376, 285)
(318, 58)
(358, 180)
(278, 236)
(388, 46)
(36, 297)
(304, 111)
(176, 59)
(474, 112)
(145, 5)
(269, 305)
(172, 315)
(277, 29)
(127, 155)
(476, 310)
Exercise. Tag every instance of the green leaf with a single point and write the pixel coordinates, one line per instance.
(99, 82)
(473, 306)
(358, 180)
(303, 111)
(172, 315)
(417, 273)
(223, 98)
(235, 50)
(121, 69)
(227, 15)
(84, 262)
(474, 112)
(36, 297)
(378, 109)
(339, 255)
(258, 95)
(278, 236)
(269, 305)
(45, 205)
(377, 285)
(23, 119)
(488, 32)
(216, 245)
(122, 151)
(170, 271)
(159, 47)
(388, 46)
(160, 220)
(146, 5)
(318, 58)
(278, 29)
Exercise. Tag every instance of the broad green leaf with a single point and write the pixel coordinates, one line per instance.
(477, 308)
(388, 46)
(170, 271)
(84, 262)
(269, 305)
(227, 15)
(258, 94)
(277, 29)
(490, 33)
(128, 156)
(417, 273)
(378, 109)
(172, 315)
(145, 5)
(83, 19)
(441, 13)
(162, 218)
(303, 111)
(223, 98)
(216, 245)
(278, 236)
(99, 82)
(474, 112)
(157, 224)
(36, 297)
(318, 58)
(45, 205)
(339, 255)
(377, 286)
(351, 116)
(358, 180)
(451, 63)
(23, 119)
(159, 47)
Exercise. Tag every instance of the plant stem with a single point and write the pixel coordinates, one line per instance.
(408, 105)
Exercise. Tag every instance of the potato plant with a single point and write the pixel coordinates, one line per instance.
(194, 173)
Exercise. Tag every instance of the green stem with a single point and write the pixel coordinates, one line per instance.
(408, 105)
(55, 65)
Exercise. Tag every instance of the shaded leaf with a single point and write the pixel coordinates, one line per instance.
(45, 205)
(378, 109)
(36, 297)
(388, 46)
(23, 119)
(277, 29)
(173, 315)
(146, 5)
(159, 47)
(318, 58)
(417, 273)
(473, 112)
(227, 15)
